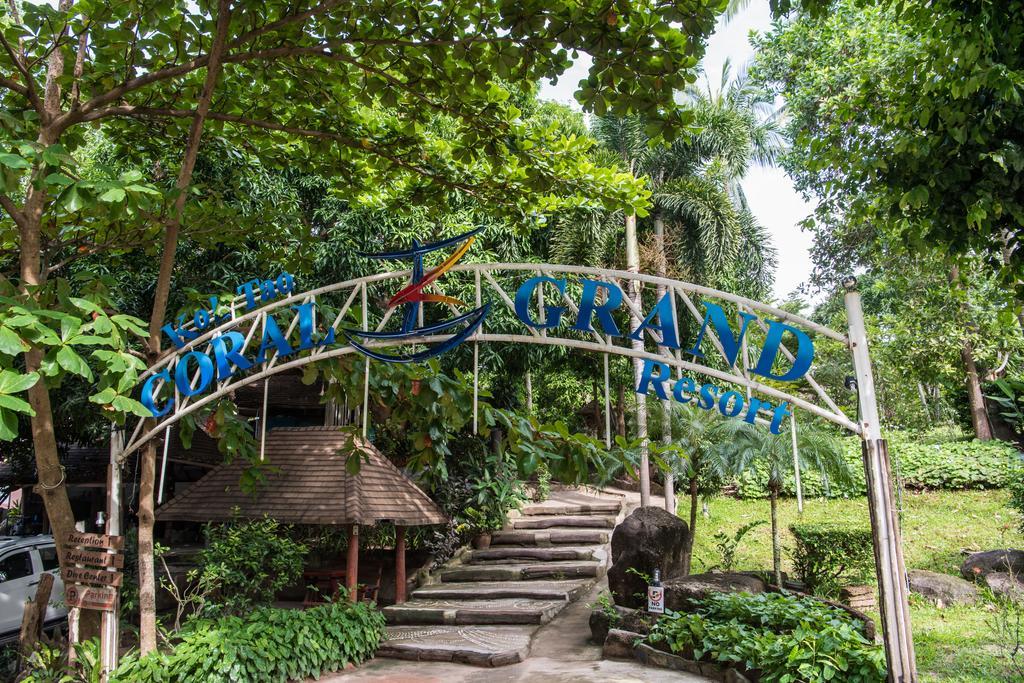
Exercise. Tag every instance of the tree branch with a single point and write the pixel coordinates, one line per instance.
(12, 210)
(130, 110)
(29, 87)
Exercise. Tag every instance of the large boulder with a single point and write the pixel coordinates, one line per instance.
(683, 594)
(650, 538)
(979, 565)
(942, 589)
(1006, 585)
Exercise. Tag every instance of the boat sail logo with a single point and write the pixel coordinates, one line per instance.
(414, 295)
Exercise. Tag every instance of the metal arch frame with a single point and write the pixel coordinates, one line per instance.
(484, 279)
(889, 564)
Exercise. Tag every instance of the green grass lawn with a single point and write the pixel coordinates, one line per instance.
(953, 644)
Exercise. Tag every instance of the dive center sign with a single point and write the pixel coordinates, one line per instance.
(195, 371)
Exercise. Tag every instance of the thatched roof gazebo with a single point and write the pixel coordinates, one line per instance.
(308, 483)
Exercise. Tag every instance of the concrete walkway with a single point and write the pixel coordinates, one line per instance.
(561, 653)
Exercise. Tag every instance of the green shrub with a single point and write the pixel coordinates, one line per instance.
(266, 645)
(246, 563)
(827, 554)
(919, 462)
(783, 637)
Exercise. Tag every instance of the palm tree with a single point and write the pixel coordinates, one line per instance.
(705, 439)
(756, 447)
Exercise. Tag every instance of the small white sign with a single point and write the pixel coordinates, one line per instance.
(656, 599)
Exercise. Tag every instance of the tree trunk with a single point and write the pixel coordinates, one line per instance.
(975, 398)
(620, 413)
(773, 494)
(688, 553)
(147, 477)
(529, 394)
(633, 266)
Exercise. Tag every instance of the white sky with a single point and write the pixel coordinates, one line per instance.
(770, 192)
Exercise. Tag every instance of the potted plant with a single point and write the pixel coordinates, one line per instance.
(482, 527)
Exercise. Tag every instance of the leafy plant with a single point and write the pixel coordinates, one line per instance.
(1010, 399)
(48, 663)
(922, 463)
(727, 545)
(266, 644)
(783, 637)
(606, 604)
(825, 554)
(244, 565)
(543, 489)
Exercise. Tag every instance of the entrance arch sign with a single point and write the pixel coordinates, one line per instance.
(524, 303)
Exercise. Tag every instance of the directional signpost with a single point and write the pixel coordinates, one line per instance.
(93, 582)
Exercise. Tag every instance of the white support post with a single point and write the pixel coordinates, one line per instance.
(607, 405)
(163, 466)
(891, 571)
(366, 374)
(263, 416)
(476, 362)
(109, 631)
(796, 464)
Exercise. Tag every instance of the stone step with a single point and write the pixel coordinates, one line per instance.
(549, 554)
(524, 572)
(476, 645)
(549, 537)
(467, 612)
(557, 508)
(568, 589)
(579, 521)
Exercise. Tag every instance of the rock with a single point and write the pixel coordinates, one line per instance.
(942, 589)
(650, 538)
(682, 594)
(618, 644)
(1005, 585)
(649, 656)
(977, 565)
(626, 619)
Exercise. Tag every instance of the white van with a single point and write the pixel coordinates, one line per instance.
(23, 559)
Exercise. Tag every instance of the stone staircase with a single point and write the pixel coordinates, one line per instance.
(487, 606)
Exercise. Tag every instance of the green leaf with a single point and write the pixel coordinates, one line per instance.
(14, 161)
(13, 382)
(73, 363)
(16, 404)
(10, 343)
(114, 194)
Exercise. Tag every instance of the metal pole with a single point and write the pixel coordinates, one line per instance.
(109, 624)
(607, 406)
(885, 528)
(263, 416)
(163, 465)
(796, 464)
(366, 374)
(476, 363)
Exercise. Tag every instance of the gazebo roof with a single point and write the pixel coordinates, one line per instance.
(308, 483)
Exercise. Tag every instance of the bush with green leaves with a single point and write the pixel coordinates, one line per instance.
(920, 463)
(245, 564)
(783, 637)
(265, 645)
(828, 554)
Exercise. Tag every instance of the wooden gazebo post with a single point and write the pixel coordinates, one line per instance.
(399, 564)
(352, 568)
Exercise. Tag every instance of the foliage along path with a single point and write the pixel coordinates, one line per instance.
(487, 607)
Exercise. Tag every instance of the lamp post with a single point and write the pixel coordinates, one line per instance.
(885, 527)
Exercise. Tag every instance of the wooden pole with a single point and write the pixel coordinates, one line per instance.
(893, 589)
(352, 568)
(34, 615)
(399, 564)
(796, 465)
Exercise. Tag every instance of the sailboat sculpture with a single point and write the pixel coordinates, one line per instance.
(413, 296)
